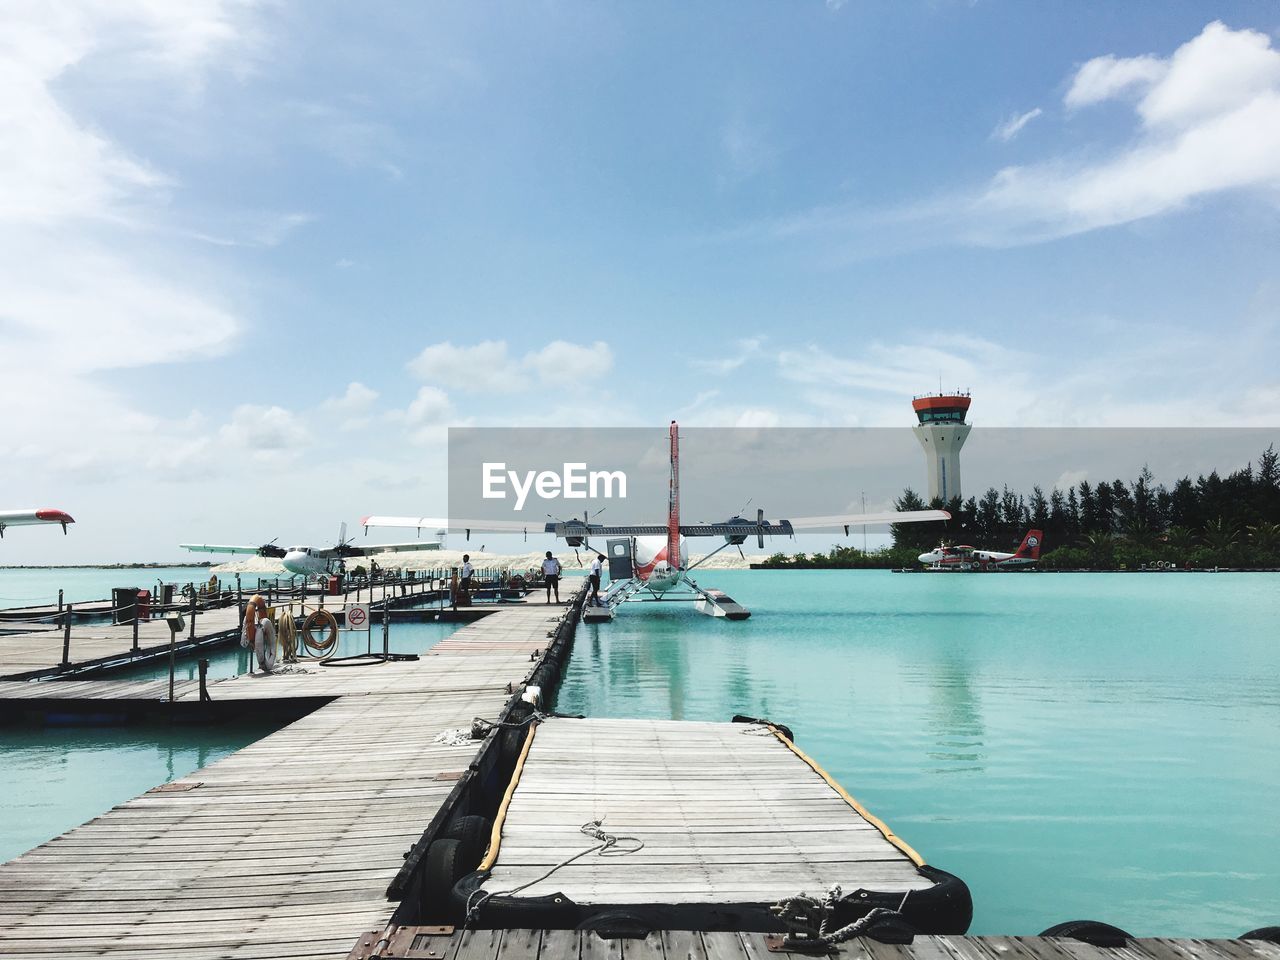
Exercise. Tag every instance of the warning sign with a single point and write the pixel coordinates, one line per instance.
(358, 616)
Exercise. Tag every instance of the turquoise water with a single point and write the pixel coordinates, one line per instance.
(1102, 746)
(37, 585)
(56, 778)
(59, 776)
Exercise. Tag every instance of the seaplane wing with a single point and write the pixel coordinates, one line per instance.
(443, 523)
(376, 548)
(867, 519)
(26, 518)
(223, 548)
(739, 526)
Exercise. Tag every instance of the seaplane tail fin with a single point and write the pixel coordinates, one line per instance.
(1029, 549)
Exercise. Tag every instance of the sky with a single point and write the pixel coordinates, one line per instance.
(257, 257)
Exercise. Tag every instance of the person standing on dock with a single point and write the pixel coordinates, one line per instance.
(597, 569)
(551, 573)
(468, 571)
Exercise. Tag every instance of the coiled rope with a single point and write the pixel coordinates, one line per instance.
(607, 847)
(800, 912)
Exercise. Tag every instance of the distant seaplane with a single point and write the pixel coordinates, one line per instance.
(27, 518)
(965, 558)
(649, 562)
(314, 561)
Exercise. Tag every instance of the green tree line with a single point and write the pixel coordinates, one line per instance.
(1231, 521)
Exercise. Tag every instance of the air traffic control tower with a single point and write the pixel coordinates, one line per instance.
(942, 431)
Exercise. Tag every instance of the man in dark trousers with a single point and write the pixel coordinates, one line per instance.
(551, 573)
(597, 568)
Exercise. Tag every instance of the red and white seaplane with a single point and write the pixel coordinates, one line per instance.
(27, 518)
(650, 562)
(969, 559)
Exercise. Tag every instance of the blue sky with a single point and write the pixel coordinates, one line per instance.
(258, 256)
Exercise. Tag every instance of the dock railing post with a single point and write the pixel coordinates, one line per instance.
(204, 681)
(135, 632)
(66, 637)
(192, 634)
(173, 639)
(59, 601)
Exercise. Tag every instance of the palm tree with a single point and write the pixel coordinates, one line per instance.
(1140, 533)
(1265, 537)
(1101, 547)
(1180, 539)
(1220, 536)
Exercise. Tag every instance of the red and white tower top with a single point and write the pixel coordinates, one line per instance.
(942, 407)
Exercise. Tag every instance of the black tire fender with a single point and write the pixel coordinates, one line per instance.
(444, 867)
(1270, 934)
(1093, 932)
(473, 833)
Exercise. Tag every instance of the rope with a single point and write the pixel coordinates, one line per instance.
(607, 847)
(799, 912)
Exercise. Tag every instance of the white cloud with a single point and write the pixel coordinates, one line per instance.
(1103, 78)
(1209, 122)
(489, 365)
(90, 278)
(266, 430)
(353, 407)
(429, 416)
(748, 348)
(1011, 126)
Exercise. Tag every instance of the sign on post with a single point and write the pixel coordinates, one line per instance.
(358, 616)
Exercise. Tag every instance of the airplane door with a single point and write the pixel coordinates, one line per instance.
(619, 554)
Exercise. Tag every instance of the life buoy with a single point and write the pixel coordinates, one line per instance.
(320, 648)
(267, 637)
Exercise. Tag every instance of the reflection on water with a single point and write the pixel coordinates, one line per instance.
(1073, 746)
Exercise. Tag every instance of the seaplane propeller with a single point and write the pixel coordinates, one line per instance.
(270, 549)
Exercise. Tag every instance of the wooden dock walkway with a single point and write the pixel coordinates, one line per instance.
(729, 814)
(284, 848)
(419, 943)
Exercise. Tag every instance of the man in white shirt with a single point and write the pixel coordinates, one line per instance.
(597, 568)
(551, 573)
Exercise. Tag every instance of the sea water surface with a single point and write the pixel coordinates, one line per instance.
(1097, 746)
(34, 586)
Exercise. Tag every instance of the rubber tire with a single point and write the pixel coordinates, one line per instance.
(1270, 934)
(1093, 932)
(444, 867)
(474, 833)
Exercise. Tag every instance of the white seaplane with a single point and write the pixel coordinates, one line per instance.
(27, 518)
(963, 557)
(650, 562)
(314, 561)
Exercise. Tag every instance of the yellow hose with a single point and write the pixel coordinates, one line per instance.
(495, 837)
(844, 794)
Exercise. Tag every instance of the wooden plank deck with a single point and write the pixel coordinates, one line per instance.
(416, 942)
(284, 848)
(37, 647)
(726, 811)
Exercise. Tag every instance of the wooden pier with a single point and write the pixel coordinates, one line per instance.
(285, 848)
(419, 943)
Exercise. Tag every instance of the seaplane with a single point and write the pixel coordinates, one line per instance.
(28, 518)
(650, 562)
(962, 557)
(318, 562)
